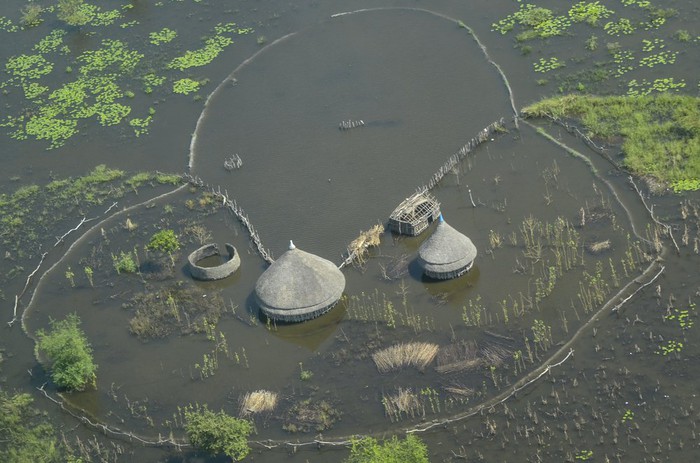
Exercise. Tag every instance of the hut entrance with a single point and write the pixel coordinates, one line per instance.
(414, 214)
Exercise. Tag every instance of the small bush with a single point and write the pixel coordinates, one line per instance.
(217, 432)
(31, 15)
(368, 450)
(69, 354)
(125, 262)
(164, 241)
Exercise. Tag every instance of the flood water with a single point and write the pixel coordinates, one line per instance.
(423, 88)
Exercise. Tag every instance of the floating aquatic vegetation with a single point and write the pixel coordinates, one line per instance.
(54, 108)
(670, 347)
(140, 125)
(185, 86)
(24, 67)
(105, 18)
(93, 94)
(622, 60)
(546, 65)
(590, 12)
(663, 57)
(643, 88)
(537, 22)
(165, 35)
(51, 42)
(7, 25)
(622, 26)
(213, 46)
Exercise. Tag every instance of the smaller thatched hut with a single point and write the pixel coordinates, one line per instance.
(299, 286)
(447, 253)
(414, 214)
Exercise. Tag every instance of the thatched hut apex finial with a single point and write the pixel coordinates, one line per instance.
(291, 245)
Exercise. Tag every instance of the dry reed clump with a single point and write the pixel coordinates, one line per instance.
(417, 354)
(367, 239)
(459, 356)
(598, 246)
(466, 355)
(404, 402)
(258, 401)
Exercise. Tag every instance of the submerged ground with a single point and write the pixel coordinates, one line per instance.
(557, 235)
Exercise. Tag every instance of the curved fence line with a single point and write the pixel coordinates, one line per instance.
(202, 115)
(78, 241)
(237, 211)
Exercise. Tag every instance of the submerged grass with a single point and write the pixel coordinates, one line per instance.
(660, 133)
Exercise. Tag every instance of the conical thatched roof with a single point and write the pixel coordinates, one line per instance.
(447, 253)
(299, 286)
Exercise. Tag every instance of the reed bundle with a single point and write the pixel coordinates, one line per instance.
(417, 354)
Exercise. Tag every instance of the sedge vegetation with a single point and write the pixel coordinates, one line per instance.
(660, 134)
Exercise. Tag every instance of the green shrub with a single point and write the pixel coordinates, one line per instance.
(368, 450)
(217, 432)
(69, 354)
(75, 12)
(164, 241)
(124, 262)
(24, 439)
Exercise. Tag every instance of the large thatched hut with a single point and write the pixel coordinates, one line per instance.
(414, 214)
(299, 286)
(447, 253)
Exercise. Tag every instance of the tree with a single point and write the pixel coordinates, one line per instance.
(368, 450)
(69, 354)
(217, 432)
(75, 12)
(24, 440)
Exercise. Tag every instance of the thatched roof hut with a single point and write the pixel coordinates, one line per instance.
(447, 253)
(414, 214)
(299, 286)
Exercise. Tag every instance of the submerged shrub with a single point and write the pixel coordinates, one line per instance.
(124, 262)
(69, 354)
(164, 241)
(217, 432)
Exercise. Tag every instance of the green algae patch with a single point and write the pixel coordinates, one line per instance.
(54, 93)
(661, 133)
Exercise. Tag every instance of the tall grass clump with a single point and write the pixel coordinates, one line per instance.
(416, 354)
(258, 401)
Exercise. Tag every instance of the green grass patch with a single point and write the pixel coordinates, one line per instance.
(32, 211)
(660, 133)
